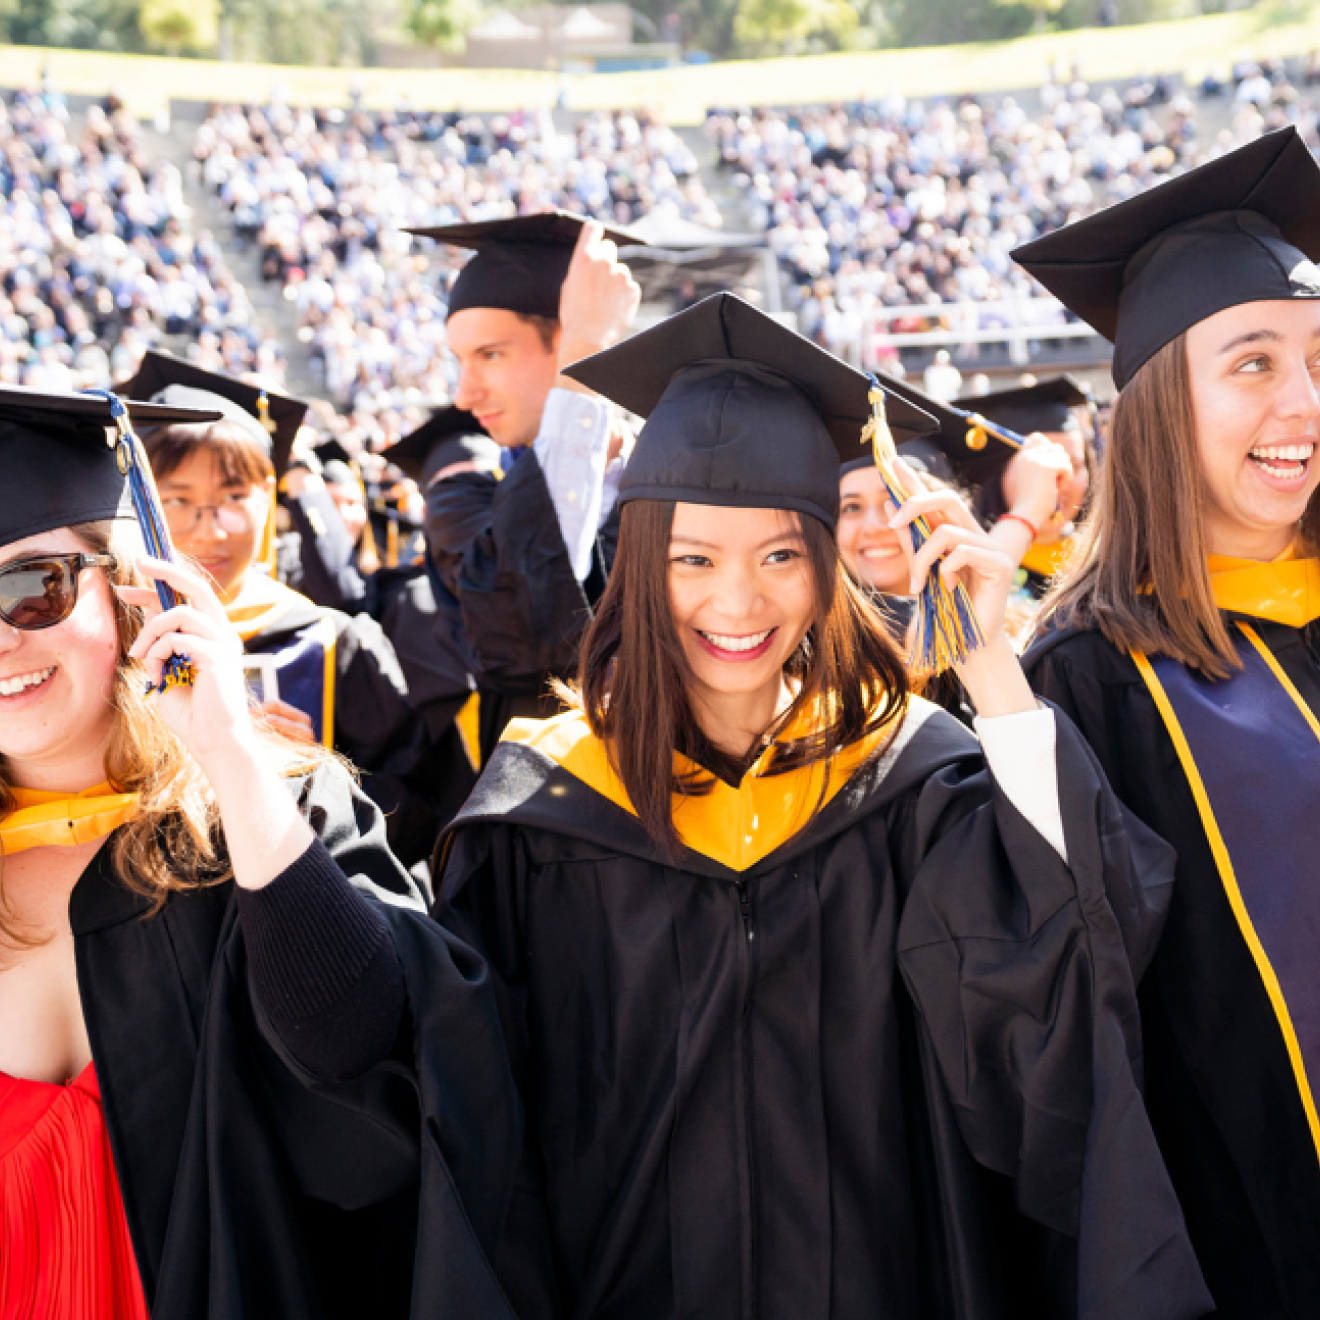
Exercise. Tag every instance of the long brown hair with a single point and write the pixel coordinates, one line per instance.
(634, 676)
(173, 841)
(1141, 575)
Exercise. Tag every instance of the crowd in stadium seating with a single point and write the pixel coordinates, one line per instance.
(899, 204)
(98, 260)
(327, 198)
(879, 205)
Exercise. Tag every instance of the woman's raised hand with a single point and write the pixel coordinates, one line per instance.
(213, 716)
(214, 719)
(960, 550)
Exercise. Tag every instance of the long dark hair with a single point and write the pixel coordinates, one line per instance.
(634, 677)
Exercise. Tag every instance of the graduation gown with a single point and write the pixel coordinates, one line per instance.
(1229, 1104)
(253, 1189)
(421, 620)
(879, 1063)
(342, 672)
(497, 548)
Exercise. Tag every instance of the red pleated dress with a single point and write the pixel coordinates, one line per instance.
(65, 1252)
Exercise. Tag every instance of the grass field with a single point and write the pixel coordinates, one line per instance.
(1190, 46)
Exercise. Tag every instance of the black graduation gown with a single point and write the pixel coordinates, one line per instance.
(817, 1088)
(253, 1190)
(497, 548)
(426, 634)
(1219, 1084)
(375, 725)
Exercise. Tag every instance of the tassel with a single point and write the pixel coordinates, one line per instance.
(132, 461)
(947, 629)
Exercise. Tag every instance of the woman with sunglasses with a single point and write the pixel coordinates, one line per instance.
(1186, 646)
(319, 675)
(240, 1070)
(818, 1007)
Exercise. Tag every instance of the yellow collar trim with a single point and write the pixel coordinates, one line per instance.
(1284, 590)
(1048, 560)
(260, 602)
(54, 820)
(736, 827)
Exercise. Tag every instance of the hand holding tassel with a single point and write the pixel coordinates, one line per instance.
(960, 555)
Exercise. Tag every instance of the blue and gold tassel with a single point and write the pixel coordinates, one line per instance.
(947, 629)
(132, 461)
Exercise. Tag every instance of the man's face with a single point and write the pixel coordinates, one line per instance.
(506, 371)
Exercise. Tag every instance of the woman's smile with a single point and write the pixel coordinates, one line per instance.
(736, 650)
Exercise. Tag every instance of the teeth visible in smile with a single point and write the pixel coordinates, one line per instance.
(11, 687)
(737, 643)
(1284, 453)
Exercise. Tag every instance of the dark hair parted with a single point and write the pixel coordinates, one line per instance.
(240, 459)
(634, 674)
(1141, 575)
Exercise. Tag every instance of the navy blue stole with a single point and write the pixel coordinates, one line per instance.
(1250, 747)
(305, 669)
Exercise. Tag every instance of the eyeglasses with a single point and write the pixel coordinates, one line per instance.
(233, 515)
(39, 593)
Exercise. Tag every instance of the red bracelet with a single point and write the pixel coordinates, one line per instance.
(1017, 517)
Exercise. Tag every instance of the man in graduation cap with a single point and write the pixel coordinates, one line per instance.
(526, 557)
(320, 674)
(1185, 646)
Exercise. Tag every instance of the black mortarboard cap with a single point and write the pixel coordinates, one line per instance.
(740, 411)
(332, 451)
(1045, 407)
(520, 263)
(944, 452)
(164, 378)
(448, 436)
(59, 467)
(1243, 228)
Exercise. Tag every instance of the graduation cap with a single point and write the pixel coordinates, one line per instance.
(958, 450)
(271, 420)
(520, 263)
(332, 451)
(60, 467)
(450, 435)
(1240, 229)
(1045, 407)
(740, 410)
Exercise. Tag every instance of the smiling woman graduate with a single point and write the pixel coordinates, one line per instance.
(818, 1006)
(1187, 649)
(223, 1087)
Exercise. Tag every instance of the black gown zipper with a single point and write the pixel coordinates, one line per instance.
(751, 1300)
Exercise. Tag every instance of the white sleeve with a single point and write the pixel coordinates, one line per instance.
(1020, 751)
(572, 448)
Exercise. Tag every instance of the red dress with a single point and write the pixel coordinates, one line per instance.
(64, 1245)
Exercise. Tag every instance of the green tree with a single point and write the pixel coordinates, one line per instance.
(782, 25)
(178, 25)
(440, 23)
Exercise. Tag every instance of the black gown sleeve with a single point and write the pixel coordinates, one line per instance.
(379, 730)
(484, 905)
(1101, 693)
(1026, 997)
(328, 572)
(498, 548)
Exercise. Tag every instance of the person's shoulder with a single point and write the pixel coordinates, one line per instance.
(1084, 650)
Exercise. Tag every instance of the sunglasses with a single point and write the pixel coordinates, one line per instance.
(41, 592)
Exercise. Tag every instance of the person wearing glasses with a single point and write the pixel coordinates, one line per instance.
(320, 675)
(242, 1074)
